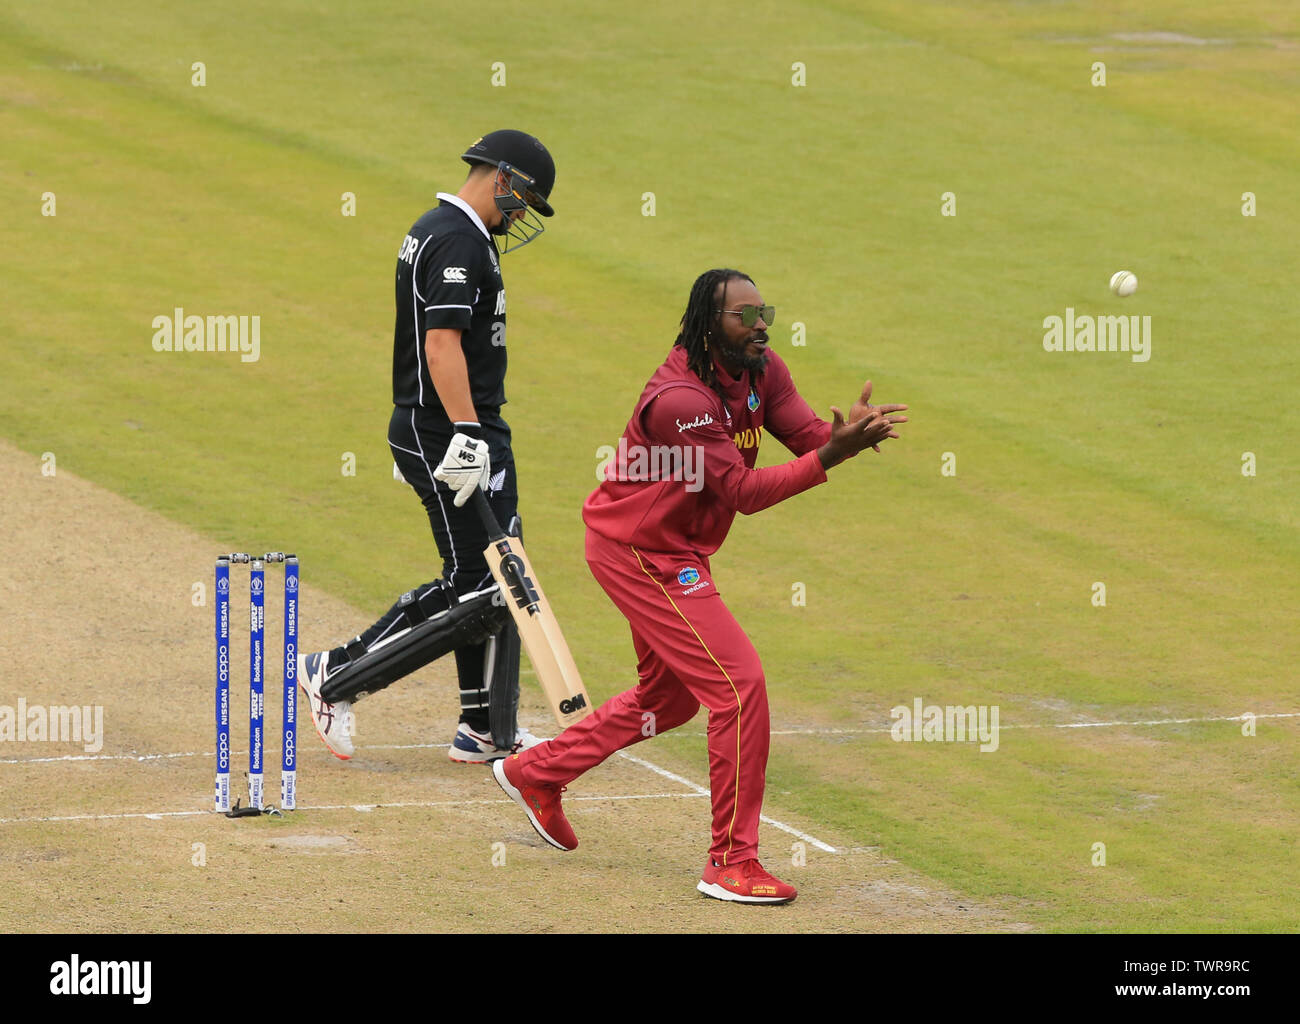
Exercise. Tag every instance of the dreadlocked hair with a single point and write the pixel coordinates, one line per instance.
(699, 318)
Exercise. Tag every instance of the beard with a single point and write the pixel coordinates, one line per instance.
(736, 359)
(754, 364)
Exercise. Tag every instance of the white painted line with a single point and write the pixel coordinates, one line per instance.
(152, 815)
(702, 791)
(406, 746)
(363, 808)
(810, 840)
(676, 732)
(108, 757)
(696, 790)
(1028, 725)
(642, 796)
(191, 753)
(1157, 721)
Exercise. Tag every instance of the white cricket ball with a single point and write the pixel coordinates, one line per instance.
(1123, 283)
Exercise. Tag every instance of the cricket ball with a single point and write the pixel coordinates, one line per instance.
(1123, 283)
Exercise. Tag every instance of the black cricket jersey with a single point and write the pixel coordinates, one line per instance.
(448, 276)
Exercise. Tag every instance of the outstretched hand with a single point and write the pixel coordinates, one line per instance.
(866, 427)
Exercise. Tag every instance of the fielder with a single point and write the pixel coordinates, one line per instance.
(651, 528)
(447, 438)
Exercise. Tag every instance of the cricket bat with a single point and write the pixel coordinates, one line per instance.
(537, 625)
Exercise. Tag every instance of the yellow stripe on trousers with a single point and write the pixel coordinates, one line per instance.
(736, 799)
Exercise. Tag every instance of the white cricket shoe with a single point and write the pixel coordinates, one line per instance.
(333, 721)
(471, 747)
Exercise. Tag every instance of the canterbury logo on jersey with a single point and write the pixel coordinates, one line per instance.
(453, 275)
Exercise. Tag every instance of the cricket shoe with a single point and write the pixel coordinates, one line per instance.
(469, 746)
(540, 803)
(745, 882)
(333, 721)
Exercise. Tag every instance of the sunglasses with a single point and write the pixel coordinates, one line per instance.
(749, 315)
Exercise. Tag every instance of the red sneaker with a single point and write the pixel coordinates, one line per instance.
(745, 882)
(540, 803)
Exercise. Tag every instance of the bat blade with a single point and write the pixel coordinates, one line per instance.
(539, 630)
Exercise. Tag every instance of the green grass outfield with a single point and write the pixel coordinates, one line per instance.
(976, 588)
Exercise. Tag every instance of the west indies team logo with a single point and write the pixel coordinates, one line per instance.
(688, 576)
(752, 401)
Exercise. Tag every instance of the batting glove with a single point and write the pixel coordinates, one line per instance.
(464, 467)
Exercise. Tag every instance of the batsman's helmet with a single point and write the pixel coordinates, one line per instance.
(530, 174)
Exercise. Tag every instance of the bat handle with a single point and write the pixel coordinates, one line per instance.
(484, 510)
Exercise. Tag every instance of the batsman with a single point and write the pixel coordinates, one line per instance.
(448, 439)
(685, 466)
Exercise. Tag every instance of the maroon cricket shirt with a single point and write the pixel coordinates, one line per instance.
(685, 463)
